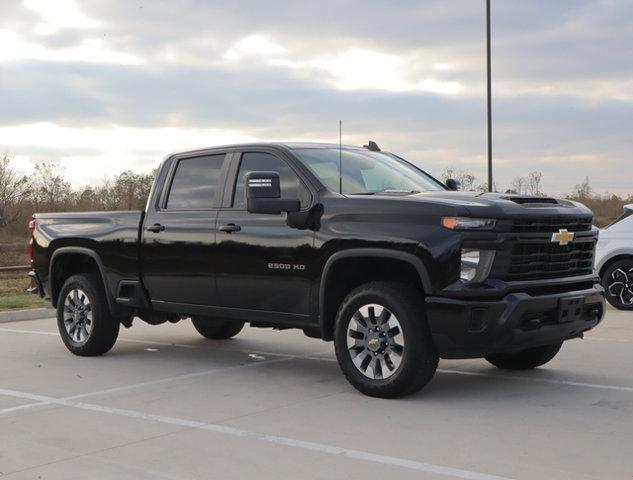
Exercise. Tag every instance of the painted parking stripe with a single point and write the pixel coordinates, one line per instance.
(148, 383)
(599, 386)
(274, 439)
(185, 376)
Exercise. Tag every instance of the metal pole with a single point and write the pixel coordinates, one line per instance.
(489, 87)
(340, 157)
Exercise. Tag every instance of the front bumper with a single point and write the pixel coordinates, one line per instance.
(470, 328)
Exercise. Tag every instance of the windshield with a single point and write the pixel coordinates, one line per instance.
(365, 172)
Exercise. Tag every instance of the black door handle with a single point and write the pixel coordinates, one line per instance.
(230, 228)
(157, 227)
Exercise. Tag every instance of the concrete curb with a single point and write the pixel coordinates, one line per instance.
(30, 314)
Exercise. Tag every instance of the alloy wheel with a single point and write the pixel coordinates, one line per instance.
(375, 341)
(621, 285)
(77, 316)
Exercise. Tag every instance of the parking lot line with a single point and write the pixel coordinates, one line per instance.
(158, 381)
(599, 386)
(274, 439)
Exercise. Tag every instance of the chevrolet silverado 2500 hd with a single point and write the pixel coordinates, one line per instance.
(349, 244)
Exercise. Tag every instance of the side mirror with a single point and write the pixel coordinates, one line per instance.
(453, 184)
(263, 194)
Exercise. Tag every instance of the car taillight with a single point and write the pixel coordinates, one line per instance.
(31, 239)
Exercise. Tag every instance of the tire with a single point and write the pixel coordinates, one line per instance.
(84, 320)
(215, 328)
(617, 281)
(525, 359)
(395, 335)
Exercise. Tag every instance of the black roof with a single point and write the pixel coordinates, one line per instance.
(287, 145)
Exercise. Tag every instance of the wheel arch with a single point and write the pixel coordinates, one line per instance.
(620, 255)
(414, 269)
(76, 260)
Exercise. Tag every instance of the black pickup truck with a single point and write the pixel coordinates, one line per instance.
(346, 243)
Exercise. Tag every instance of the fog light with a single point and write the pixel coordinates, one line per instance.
(476, 265)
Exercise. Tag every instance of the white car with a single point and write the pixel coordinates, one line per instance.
(614, 260)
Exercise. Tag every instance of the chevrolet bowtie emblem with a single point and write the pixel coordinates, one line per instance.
(563, 236)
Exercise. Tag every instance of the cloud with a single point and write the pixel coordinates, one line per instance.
(254, 45)
(408, 74)
(351, 69)
(59, 14)
(360, 68)
(90, 50)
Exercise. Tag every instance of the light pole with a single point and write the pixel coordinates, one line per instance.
(489, 91)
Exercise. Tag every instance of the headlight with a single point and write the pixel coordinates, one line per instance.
(476, 265)
(467, 223)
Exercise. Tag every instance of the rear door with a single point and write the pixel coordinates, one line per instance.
(179, 231)
(263, 264)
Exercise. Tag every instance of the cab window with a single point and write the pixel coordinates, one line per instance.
(195, 183)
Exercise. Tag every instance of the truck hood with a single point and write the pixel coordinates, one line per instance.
(500, 205)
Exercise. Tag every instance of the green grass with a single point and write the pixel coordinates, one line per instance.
(20, 301)
(13, 294)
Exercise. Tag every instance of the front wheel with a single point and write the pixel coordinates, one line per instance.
(382, 342)
(216, 329)
(525, 359)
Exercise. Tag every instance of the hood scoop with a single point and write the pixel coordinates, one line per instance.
(533, 201)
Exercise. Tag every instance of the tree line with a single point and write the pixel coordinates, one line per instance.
(48, 190)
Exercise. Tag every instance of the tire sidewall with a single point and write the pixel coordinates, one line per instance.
(104, 326)
(606, 281)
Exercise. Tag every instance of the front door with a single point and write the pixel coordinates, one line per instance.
(179, 233)
(262, 263)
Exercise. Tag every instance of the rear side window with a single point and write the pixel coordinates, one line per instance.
(291, 186)
(195, 182)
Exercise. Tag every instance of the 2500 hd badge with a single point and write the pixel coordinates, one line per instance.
(286, 266)
(361, 247)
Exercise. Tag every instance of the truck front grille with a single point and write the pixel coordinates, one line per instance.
(535, 259)
(576, 224)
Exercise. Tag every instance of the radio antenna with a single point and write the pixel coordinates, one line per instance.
(340, 157)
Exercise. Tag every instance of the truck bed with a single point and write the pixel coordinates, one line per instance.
(114, 236)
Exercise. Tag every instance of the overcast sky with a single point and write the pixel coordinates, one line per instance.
(101, 86)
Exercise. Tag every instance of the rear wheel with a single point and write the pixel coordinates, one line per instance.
(525, 359)
(215, 328)
(618, 284)
(382, 341)
(84, 320)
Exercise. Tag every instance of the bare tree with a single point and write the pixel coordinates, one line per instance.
(533, 182)
(519, 185)
(583, 190)
(132, 189)
(49, 189)
(13, 186)
(125, 191)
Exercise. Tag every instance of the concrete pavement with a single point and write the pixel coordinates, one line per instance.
(167, 403)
